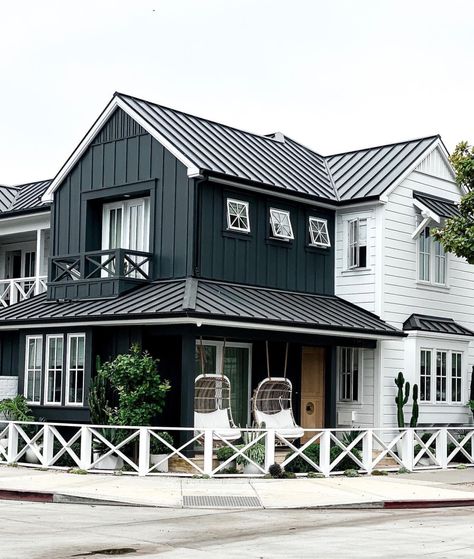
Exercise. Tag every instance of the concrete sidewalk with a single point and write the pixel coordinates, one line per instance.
(434, 488)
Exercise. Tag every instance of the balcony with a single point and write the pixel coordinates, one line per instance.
(98, 274)
(19, 289)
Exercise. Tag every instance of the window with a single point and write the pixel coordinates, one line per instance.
(318, 232)
(238, 216)
(33, 368)
(349, 374)
(456, 376)
(357, 243)
(75, 369)
(441, 377)
(281, 224)
(432, 260)
(54, 369)
(425, 375)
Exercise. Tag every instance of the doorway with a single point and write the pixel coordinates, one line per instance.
(312, 387)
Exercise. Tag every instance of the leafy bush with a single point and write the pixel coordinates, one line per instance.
(275, 470)
(158, 447)
(16, 409)
(300, 465)
(224, 453)
(256, 453)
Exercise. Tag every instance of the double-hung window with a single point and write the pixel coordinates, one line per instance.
(33, 368)
(280, 222)
(318, 232)
(54, 369)
(348, 374)
(238, 216)
(75, 369)
(441, 378)
(357, 243)
(432, 259)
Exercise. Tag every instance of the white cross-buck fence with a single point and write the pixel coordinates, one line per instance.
(178, 451)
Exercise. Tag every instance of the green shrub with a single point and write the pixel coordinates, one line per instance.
(16, 409)
(300, 465)
(224, 453)
(256, 453)
(158, 447)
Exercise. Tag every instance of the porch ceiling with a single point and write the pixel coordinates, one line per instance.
(191, 299)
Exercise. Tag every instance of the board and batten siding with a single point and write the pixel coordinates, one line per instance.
(403, 295)
(124, 156)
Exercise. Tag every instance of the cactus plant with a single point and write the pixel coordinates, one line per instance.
(415, 409)
(401, 399)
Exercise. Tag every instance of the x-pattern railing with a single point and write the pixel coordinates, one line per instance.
(86, 446)
(18, 289)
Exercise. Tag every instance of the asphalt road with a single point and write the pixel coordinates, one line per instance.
(60, 531)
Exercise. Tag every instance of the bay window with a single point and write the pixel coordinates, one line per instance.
(441, 376)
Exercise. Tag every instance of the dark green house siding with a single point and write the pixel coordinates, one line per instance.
(256, 258)
(124, 160)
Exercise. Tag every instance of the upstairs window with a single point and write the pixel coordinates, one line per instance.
(126, 225)
(357, 243)
(280, 223)
(432, 259)
(318, 232)
(238, 216)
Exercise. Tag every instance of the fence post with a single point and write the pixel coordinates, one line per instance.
(442, 448)
(269, 448)
(408, 449)
(48, 446)
(12, 450)
(367, 451)
(208, 452)
(86, 448)
(324, 452)
(143, 451)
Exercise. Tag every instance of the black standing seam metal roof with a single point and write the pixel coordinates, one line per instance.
(436, 324)
(23, 197)
(440, 206)
(204, 298)
(279, 161)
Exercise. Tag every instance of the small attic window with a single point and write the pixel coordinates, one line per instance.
(280, 223)
(318, 232)
(238, 216)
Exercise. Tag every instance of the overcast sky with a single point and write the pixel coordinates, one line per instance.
(333, 74)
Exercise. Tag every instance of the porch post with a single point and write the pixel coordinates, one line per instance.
(39, 259)
(188, 350)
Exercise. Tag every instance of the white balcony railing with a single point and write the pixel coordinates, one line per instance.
(194, 452)
(18, 289)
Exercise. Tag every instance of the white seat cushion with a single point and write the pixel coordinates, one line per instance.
(218, 420)
(282, 421)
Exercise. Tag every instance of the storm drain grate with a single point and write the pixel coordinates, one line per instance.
(220, 501)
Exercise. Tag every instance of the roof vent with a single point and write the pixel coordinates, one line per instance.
(279, 137)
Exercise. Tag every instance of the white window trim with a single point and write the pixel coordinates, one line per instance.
(431, 283)
(273, 213)
(46, 370)
(26, 374)
(219, 349)
(318, 220)
(68, 350)
(346, 218)
(359, 380)
(247, 215)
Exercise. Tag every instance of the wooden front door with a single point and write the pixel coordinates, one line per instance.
(312, 388)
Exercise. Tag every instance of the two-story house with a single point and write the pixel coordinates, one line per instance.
(176, 231)
(24, 251)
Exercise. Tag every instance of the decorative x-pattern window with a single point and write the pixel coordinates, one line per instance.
(281, 224)
(318, 232)
(238, 216)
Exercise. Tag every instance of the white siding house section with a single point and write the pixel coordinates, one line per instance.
(358, 285)
(403, 294)
(435, 164)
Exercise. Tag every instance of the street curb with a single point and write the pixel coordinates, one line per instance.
(63, 498)
(428, 504)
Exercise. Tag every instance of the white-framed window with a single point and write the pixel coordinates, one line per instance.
(280, 223)
(357, 243)
(75, 367)
(349, 374)
(54, 365)
(318, 232)
(441, 376)
(33, 369)
(238, 218)
(125, 224)
(432, 260)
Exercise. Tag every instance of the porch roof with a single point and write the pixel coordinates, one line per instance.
(435, 324)
(195, 301)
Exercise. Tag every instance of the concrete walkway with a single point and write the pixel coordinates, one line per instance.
(435, 488)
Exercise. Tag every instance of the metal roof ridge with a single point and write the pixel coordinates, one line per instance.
(389, 144)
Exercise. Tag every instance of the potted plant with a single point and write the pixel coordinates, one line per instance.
(159, 452)
(17, 409)
(223, 454)
(256, 453)
(99, 449)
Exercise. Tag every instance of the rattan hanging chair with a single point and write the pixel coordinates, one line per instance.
(272, 404)
(212, 408)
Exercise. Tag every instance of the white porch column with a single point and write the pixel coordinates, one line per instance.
(40, 236)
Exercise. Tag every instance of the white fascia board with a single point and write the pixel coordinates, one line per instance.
(198, 322)
(437, 144)
(24, 223)
(466, 339)
(115, 103)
